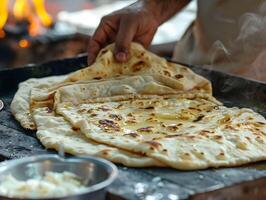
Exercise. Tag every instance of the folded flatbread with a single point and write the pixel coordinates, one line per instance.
(20, 106)
(145, 112)
(141, 62)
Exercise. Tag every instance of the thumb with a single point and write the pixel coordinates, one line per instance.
(124, 38)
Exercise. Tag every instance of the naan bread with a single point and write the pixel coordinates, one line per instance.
(146, 112)
(116, 89)
(144, 74)
(141, 62)
(54, 130)
(184, 133)
(20, 106)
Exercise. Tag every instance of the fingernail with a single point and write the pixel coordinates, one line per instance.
(121, 56)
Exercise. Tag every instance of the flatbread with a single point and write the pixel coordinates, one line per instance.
(183, 133)
(141, 62)
(20, 106)
(54, 130)
(146, 74)
(114, 89)
(146, 112)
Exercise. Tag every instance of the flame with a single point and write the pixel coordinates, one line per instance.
(32, 11)
(21, 9)
(35, 26)
(24, 43)
(3, 13)
(2, 33)
(45, 18)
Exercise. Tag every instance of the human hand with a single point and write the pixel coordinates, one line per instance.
(133, 23)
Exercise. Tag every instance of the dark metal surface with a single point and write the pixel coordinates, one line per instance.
(133, 183)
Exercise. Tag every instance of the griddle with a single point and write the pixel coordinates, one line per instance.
(144, 183)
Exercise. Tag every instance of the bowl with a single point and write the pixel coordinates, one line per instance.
(95, 173)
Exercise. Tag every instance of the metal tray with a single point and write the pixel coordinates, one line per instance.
(133, 183)
(95, 174)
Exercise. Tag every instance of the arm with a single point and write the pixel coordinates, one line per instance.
(137, 22)
(164, 9)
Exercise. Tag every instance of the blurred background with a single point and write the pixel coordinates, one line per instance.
(37, 31)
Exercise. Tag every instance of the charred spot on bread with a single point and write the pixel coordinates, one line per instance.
(154, 144)
(172, 127)
(218, 137)
(105, 152)
(147, 129)
(132, 134)
(137, 67)
(107, 124)
(172, 136)
(97, 78)
(199, 118)
(179, 76)
(149, 108)
(166, 73)
(75, 128)
(103, 108)
(116, 117)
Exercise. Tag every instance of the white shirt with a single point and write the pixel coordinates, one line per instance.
(225, 35)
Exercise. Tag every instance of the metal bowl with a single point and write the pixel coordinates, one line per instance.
(95, 173)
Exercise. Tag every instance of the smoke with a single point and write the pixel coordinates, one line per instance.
(219, 53)
(247, 54)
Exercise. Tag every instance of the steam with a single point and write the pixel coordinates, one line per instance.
(219, 52)
(247, 54)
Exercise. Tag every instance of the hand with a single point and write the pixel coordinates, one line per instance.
(133, 23)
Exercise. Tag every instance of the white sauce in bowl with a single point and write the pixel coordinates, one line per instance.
(51, 185)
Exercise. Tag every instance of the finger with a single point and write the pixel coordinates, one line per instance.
(99, 39)
(96, 43)
(125, 35)
(146, 38)
(93, 49)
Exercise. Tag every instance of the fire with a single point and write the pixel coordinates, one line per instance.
(32, 11)
(24, 43)
(21, 9)
(41, 12)
(2, 34)
(3, 13)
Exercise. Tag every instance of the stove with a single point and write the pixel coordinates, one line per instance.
(29, 34)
